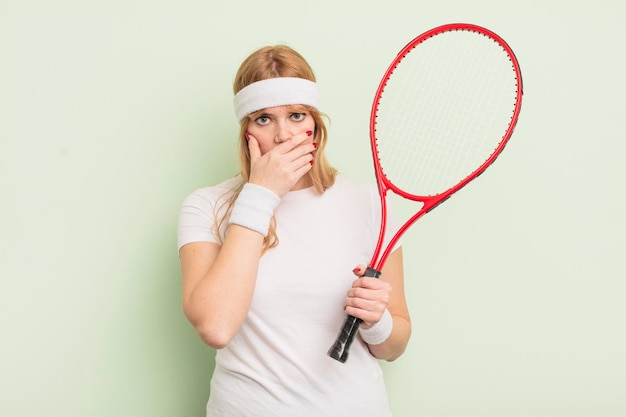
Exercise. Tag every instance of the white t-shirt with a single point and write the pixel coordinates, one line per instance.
(277, 364)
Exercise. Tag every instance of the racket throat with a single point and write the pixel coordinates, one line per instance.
(434, 203)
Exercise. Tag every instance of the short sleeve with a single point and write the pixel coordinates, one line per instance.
(199, 212)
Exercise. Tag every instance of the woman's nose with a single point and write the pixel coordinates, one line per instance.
(282, 133)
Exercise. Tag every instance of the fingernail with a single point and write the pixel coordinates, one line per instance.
(356, 270)
(247, 136)
(309, 132)
(315, 145)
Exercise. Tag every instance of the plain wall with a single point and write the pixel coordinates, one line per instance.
(111, 112)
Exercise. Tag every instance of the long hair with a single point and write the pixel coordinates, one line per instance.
(272, 62)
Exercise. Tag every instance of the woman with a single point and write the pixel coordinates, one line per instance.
(266, 259)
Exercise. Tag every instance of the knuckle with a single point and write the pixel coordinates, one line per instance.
(358, 303)
(358, 292)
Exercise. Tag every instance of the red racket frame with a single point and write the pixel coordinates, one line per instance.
(339, 350)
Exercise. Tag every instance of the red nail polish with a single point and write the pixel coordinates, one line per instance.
(356, 270)
(315, 145)
(309, 132)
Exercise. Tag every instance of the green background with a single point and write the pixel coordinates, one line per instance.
(111, 112)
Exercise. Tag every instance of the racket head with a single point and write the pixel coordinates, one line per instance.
(444, 110)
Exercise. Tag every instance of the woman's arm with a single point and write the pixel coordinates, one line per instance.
(218, 283)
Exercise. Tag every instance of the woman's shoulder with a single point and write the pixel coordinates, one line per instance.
(213, 192)
(343, 182)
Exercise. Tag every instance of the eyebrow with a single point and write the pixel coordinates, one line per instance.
(291, 109)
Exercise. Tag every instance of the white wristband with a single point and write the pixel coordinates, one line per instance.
(379, 332)
(254, 208)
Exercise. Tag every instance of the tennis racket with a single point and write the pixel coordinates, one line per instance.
(443, 112)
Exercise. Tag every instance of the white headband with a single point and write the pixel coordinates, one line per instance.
(275, 92)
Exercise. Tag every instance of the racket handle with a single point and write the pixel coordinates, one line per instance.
(339, 350)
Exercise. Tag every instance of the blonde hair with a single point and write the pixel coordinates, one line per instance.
(272, 62)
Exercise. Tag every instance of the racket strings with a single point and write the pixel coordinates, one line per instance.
(444, 111)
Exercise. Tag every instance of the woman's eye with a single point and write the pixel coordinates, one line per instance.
(262, 120)
(298, 116)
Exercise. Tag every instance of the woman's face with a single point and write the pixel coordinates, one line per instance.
(275, 125)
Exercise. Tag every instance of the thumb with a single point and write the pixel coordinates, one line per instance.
(253, 147)
(359, 270)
